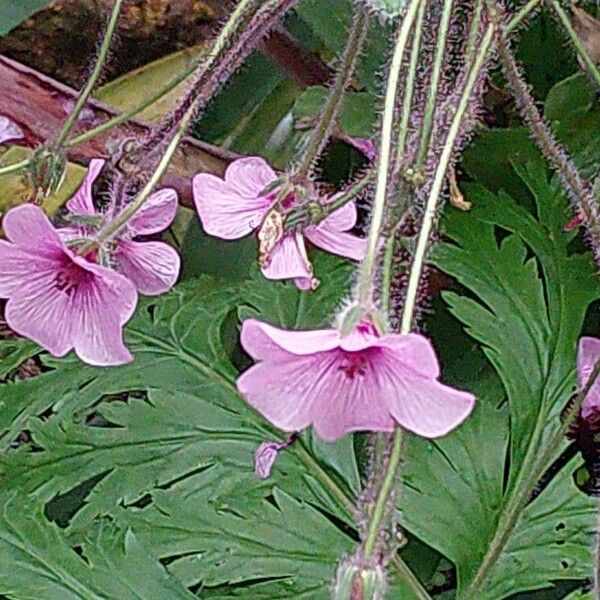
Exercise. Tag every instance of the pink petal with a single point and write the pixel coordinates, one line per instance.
(422, 405)
(156, 214)
(99, 310)
(9, 130)
(27, 225)
(153, 267)
(283, 391)
(40, 311)
(343, 218)
(224, 211)
(288, 259)
(250, 176)
(16, 265)
(265, 457)
(263, 341)
(587, 357)
(415, 351)
(336, 242)
(294, 393)
(82, 202)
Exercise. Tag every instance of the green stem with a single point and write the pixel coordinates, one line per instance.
(520, 16)
(326, 120)
(132, 112)
(420, 593)
(384, 494)
(409, 84)
(475, 21)
(301, 217)
(518, 501)
(566, 22)
(85, 94)
(14, 167)
(438, 180)
(430, 103)
(368, 266)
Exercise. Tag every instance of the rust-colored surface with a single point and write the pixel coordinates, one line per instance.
(40, 105)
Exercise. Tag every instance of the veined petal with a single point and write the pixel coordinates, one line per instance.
(224, 211)
(40, 311)
(153, 267)
(18, 264)
(156, 214)
(82, 203)
(262, 341)
(100, 306)
(282, 391)
(27, 224)
(314, 389)
(422, 405)
(337, 242)
(250, 175)
(288, 259)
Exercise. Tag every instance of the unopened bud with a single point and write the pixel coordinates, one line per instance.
(359, 583)
(265, 457)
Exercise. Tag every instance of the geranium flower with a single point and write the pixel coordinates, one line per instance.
(237, 205)
(58, 299)
(363, 381)
(152, 266)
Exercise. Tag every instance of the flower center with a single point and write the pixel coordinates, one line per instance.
(69, 278)
(354, 364)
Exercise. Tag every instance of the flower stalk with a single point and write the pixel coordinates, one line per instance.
(431, 204)
(91, 83)
(327, 119)
(368, 266)
(436, 72)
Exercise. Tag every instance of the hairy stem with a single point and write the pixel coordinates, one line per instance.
(327, 119)
(387, 486)
(368, 266)
(585, 57)
(409, 84)
(438, 180)
(520, 16)
(430, 104)
(89, 86)
(578, 189)
(519, 500)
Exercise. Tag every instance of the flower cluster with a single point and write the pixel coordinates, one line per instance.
(65, 296)
(64, 300)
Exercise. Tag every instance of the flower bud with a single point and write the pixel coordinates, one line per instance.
(265, 457)
(354, 582)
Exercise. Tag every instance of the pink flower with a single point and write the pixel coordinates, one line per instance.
(237, 205)
(364, 381)
(587, 357)
(58, 299)
(153, 267)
